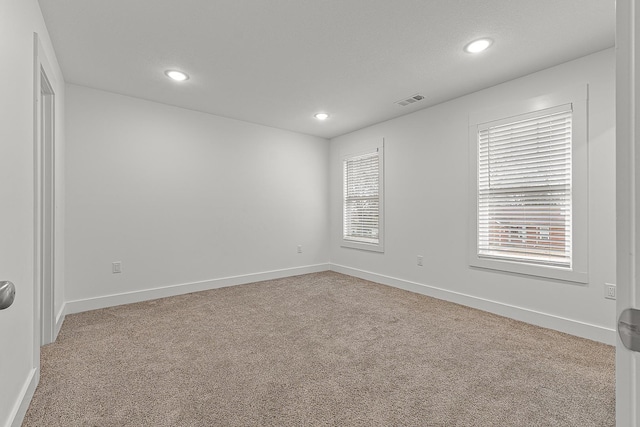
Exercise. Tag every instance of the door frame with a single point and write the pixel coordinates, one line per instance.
(46, 207)
(44, 200)
(627, 201)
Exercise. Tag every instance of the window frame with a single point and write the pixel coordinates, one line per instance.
(353, 244)
(578, 98)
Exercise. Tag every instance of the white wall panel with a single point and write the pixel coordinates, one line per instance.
(180, 197)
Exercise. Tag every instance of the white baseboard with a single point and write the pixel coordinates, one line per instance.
(545, 320)
(24, 399)
(78, 306)
(59, 321)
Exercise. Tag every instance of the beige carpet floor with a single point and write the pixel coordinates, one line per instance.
(321, 349)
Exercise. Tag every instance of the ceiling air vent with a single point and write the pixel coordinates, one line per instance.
(414, 98)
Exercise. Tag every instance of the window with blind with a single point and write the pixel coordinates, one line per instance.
(362, 203)
(528, 209)
(524, 188)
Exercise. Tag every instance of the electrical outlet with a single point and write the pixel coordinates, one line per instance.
(299, 249)
(420, 260)
(609, 291)
(116, 267)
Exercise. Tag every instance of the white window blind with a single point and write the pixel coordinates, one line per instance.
(361, 221)
(524, 188)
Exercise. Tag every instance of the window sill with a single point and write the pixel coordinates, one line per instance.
(371, 247)
(548, 272)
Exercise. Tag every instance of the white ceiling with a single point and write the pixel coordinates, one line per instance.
(277, 62)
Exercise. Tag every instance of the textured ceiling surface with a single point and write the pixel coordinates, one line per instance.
(278, 62)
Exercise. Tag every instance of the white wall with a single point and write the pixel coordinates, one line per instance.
(19, 353)
(185, 198)
(426, 196)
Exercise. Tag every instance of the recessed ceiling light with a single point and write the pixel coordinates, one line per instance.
(178, 76)
(477, 46)
(321, 116)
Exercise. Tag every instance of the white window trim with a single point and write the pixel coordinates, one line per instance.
(578, 97)
(374, 247)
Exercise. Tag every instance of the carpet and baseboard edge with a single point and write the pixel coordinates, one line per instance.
(87, 304)
(59, 321)
(545, 320)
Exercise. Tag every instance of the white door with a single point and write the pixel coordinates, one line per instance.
(18, 355)
(16, 265)
(628, 201)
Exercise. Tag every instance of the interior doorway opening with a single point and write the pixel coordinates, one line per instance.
(45, 205)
